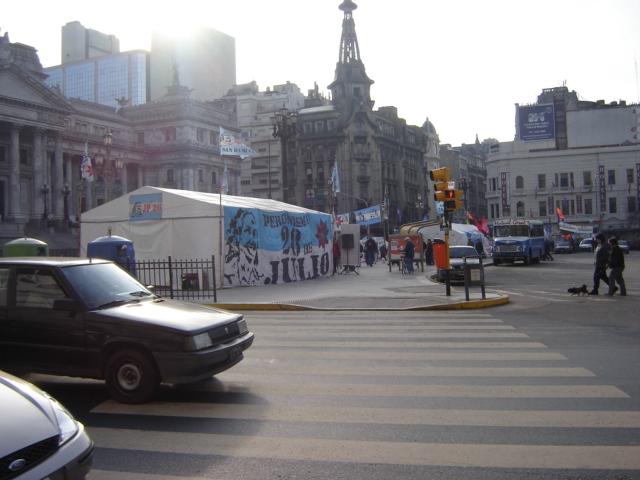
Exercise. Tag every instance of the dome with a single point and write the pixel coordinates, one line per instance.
(428, 127)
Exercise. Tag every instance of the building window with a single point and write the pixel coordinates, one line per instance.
(3, 153)
(631, 204)
(613, 205)
(630, 176)
(331, 126)
(214, 178)
(24, 156)
(520, 209)
(200, 135)
(359, 127)
(201, 176)
(542, 181)
(321, 174)
(319, 127)
(212, 138)
(611, 177)
(309, 175)
(306, 128)
(586, 179)
(588, 206)
(519, 182)
(542, 208)
(170, 175)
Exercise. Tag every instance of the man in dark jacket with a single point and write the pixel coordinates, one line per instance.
(600, 260)
(616, 264)
(409, 253)
(370, 250)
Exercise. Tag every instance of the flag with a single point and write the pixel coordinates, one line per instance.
(531, 212)
(342, 219)
(86, 169)
(425, 218)
(224, 187)
(335, 179)
(549, 226)
(229, 145)
(368, 216)
(559, 212)
(399, 215)
(485, 227)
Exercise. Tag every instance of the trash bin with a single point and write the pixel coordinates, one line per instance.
(25, 247)
(440, 254)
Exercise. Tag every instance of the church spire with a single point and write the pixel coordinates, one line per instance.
(351, 80)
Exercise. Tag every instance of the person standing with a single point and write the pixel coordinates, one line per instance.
(428, 252)
(409, 252)
(370, 250)
(336, 255)
(547, 250)
(616, 264)
(600, 259)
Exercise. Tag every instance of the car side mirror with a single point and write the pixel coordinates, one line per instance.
(65, 305)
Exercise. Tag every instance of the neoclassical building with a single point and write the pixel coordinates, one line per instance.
(172, 142)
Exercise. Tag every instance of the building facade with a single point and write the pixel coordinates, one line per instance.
(573, 162)
(172, 142)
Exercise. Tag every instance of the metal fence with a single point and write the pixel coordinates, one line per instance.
(180, 279)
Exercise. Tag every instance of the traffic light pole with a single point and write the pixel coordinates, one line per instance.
(447, 226)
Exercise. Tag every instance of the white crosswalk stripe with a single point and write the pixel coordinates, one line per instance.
(337, 370)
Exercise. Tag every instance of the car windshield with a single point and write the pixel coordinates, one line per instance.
(103, 285)
(459, 252)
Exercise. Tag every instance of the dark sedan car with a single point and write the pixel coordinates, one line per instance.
(90, 318)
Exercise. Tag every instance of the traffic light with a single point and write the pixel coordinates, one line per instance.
(452, 201)
(441, 176)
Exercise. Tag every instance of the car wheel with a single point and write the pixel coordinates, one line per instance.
(496, 262)
(131, 376)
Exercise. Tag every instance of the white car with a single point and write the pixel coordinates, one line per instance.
(40, 438)
(587, 245)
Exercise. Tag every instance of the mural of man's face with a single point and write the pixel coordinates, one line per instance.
(248, 237)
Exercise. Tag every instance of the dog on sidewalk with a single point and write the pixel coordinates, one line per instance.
(578, 290)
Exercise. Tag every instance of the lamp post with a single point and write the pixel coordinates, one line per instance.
(419, 206)
(66, 191)
(464, 183)
(284, 128)
(107, 170)
(45, 194)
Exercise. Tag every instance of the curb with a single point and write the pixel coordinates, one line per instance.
(464, 305)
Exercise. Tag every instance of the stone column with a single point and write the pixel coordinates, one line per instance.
(40, 177)
(123, 179)
(15, 211)
(140, 176)
(57, 181)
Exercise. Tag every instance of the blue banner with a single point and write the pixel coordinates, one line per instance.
(145, 207)
(536, 122)
(275, 247)
(368, 216)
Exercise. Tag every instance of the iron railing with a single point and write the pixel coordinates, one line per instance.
(180, 279)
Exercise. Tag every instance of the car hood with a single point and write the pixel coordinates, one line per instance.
(26, 417)
(171, 314)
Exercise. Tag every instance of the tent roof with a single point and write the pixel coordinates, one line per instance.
(186, 203)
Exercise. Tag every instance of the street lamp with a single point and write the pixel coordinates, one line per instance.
(419, 205)
(106, 168)
(284, 128)
(45, 193)
(66, 191)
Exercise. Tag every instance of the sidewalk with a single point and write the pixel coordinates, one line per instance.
(372, 288)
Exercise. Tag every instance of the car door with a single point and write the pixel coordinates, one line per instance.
(40, 339)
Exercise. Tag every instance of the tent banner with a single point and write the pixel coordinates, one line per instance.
(275, 247)
(145, 207)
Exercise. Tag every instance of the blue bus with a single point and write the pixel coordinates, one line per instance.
(518, 240)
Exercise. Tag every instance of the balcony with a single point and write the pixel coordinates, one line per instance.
(518, 192)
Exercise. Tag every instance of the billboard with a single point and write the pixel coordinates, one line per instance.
(536, 122)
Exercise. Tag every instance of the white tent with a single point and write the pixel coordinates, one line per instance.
(256, 241)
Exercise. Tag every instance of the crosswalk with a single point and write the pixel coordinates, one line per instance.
(421, 390)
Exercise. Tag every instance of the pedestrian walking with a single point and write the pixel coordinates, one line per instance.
(383, 252)
(616, 264)
(409, 252)
(600, 260)
(370, 250)
(547, 250)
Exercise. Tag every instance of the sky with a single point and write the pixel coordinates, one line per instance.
(462, 64)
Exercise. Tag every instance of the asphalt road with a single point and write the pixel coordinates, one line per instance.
(546, 387)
